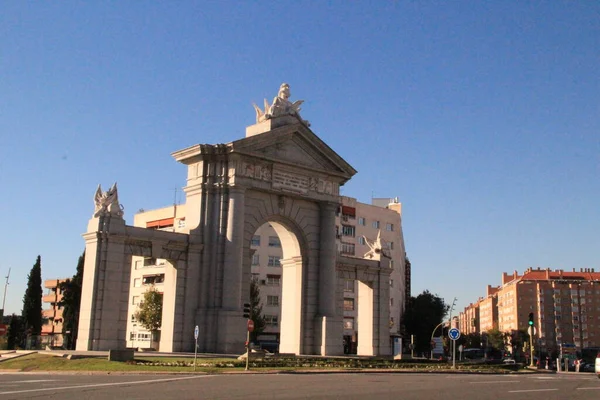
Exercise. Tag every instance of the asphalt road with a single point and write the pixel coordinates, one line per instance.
(405, 386)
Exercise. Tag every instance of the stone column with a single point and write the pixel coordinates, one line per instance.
(107, 269)
(291, 333)
(231, 324)
(172, 315)
(366, 321)
(373, 315)
(329, 327)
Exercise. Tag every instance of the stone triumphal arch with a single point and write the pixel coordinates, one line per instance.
(280, 173)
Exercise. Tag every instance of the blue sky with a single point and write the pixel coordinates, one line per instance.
(482, 117)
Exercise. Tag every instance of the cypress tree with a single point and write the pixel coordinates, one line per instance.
(32, 301)
(15, 333)
(71, 302)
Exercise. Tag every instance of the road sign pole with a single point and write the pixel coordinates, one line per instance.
(196, 331)
(248, 350)
(454, 354)
(532, 364)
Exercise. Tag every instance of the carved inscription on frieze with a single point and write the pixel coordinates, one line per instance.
(292, 182)
(256, 171)
(302, 183)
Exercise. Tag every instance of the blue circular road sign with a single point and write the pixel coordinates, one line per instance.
(454, 334)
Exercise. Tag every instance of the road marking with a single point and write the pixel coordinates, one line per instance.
(532, 390)
(590, 388)
(107, 384)
(497, 382)
(34, 381)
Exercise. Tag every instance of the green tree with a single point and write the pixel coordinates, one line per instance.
(16, 332)
(472, 340)
(256, 310)
(496, 339)
(32, 301)
(423, 313)
(149, 313)
(71, 302)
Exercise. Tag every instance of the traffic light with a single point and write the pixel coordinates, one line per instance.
(247, 310)
(530, 319)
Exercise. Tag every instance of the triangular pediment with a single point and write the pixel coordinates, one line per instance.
(296, 145)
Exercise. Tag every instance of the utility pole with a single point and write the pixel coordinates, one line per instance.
(4, 298)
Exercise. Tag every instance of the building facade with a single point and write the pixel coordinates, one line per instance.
(52, 314)
(565, 306)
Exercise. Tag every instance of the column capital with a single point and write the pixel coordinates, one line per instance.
(328, 205)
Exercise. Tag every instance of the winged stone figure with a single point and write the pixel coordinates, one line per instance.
(107, 202)
(376, 247)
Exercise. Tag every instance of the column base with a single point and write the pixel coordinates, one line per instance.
(329, 336)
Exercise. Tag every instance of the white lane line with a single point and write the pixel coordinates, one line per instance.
(496, 382)
(532, 390)
(590, 388)
(35, 381)
(107, 384)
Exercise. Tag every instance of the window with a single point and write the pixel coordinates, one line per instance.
(133, 318)
(137, 282)
(391, 302)
(391, 283)
(255, 259)
(347, 248)
(274, 280)
(255, 276)
(348, 230)
(348, 213)
(271, 320)
(348, 304)
(361, 240)
(391, 245)
(255, 240)
(138, 264)
(349, 285)
(362, 221)
(148, 261)
(274, 261)
(375, 224)
(389, 227)
(349, 323)
(274, 241)
(135, 300)
(153, 279)
(273, 300)
(131, 335)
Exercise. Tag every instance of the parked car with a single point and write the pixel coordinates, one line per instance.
(598, 365)
(509, 361)
(587, 367)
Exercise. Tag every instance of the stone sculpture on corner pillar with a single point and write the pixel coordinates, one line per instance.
(281, 106)
(107, 202)
(377, 248)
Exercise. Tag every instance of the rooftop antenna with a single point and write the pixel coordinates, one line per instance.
(175, 196)
(5, 287)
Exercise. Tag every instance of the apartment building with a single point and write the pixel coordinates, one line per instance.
(52, 327)
(488, 310)
(468, 319)
(565, 307)
(356, 224)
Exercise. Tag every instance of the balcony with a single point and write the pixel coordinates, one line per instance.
(48, 313)
(49, 298)
(51, 283)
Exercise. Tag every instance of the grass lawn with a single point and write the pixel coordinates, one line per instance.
(42, 362)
